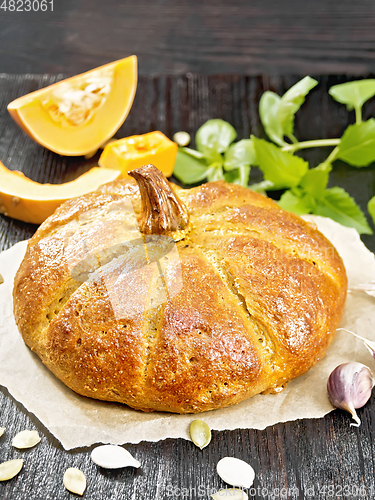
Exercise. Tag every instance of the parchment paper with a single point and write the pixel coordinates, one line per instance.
(77, 421)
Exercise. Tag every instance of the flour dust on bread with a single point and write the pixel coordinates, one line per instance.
(177, 300)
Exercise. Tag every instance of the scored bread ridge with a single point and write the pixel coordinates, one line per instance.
(177, 361)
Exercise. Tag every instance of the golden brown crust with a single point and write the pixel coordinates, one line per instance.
(252, 300)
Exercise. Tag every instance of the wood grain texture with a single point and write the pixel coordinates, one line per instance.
(310, 459)
(211, 37)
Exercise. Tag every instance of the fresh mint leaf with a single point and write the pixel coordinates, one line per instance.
(353, 94)
(189, 169)
(315, 181)
(291, 101)
(192, 152)
(283, 169)
(244, 177)
(240, 153)
(357, 145)
(371, 208)
(277, 113)
(269, 116)
(341, 207)
(296, 204)
(239, 176)
(215, 173)
(232, 176)
(261, 187)
(214, 137)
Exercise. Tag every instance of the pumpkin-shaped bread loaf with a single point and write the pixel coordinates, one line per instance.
(177, 300)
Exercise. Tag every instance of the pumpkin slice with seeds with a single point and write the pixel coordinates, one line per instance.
(76, 116)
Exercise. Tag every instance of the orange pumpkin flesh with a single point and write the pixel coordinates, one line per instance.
(77, 115)
(133, 152)
(26, 200)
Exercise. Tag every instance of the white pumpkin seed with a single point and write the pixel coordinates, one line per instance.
(111, 456)
(26, 439)
(10, 469)
(2, 430)
(200, 433)
(231, 493)
(181, 138)
(74, 481)
(235, 472)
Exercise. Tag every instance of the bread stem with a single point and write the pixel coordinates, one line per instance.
(162, 211)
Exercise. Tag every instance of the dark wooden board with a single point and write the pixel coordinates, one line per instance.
(174, 37)
(306, 459)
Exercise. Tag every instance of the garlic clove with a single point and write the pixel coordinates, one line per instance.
(235, 472)
(349, 387)
(110, 456)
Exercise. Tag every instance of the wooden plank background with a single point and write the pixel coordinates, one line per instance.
(310, 459)
(178, 36)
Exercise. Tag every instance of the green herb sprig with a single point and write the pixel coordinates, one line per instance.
(219, 157)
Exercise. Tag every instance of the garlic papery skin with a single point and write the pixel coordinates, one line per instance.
(349, 387)
(368, 343)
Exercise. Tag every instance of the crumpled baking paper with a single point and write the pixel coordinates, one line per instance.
(77, 421)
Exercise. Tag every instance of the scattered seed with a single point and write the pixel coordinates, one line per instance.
(10, 469)
(200, 433)
(26, 439)
(231, 493)
(2, 430)
(111, 456)
(235, 472)
(181, 138)
(1, 279)
(74, 481)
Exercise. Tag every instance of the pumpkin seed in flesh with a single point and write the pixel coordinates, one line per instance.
(231, 493)
(111, 456)
(74, 481)
(2, 430)
(235, 472)
(200, 433)
(26, 439)
(10, 469)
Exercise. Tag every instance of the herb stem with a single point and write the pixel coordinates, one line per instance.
(331, 158)
(291, 148)
(358, 115)
(293, 139)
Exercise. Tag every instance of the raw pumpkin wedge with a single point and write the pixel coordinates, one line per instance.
(132, 152)
(26, 200)
(77, 115)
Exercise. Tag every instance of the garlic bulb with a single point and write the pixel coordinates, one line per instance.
(349, 387)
